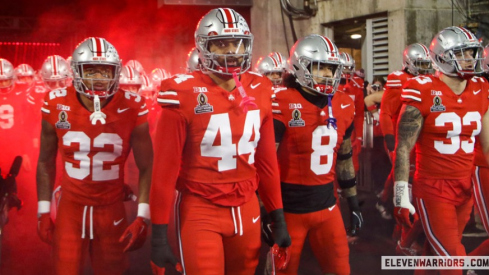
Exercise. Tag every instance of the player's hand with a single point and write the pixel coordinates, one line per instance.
(390, 142)
(375, 116)
(161, 253)
(356, 222)
(356, 218)
(137, 232)
(279, 228)
(402, 204)
(281, 256)
(45, 228)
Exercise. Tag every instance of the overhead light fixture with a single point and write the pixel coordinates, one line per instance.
(356, 36)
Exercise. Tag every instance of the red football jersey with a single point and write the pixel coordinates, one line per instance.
(15, 128)
(307, 152)
(36, 94)
(93, 155)
(391, 101)
(354, 88)
(213, 146)
(445, 146)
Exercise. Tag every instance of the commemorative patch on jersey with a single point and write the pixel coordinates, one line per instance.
(63, 107)
(63, 121)
(437, 105)
(204, 106)
(295, 106)
(296, 120)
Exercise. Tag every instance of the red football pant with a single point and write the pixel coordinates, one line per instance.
(327, 237)
(94, 229)
(480, 183)
(443, 224)
(216, 239)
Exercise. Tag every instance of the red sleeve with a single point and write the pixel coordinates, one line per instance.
(143, 112)
(390, 104)
(166, 166)
(266, 164)
(359, 111)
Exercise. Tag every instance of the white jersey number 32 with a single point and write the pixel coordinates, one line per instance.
(95, 164)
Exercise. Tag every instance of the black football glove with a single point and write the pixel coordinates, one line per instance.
(279, 228)
(356, 219)
(161, 253)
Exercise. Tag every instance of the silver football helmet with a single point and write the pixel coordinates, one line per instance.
(136, 65)
(348, 65)
(193, 61)
(95, 51)
(55, 72)
(157, 75)
(130, 79)
(24, 74)
(147, 88)
(448, 51)
(7, 76)
(273, 66)
(311, 53)
(485, 62)
(416, 59)
(216, 29)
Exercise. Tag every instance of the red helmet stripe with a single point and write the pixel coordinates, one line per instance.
(279, 57)
(54, 64)
(467, 33)
(329, 45)
(24, 67)
(98, 46)
(228, 17)
(275, 62)
(1, 66)
(425, 49)
(146, 80)
(131, 73)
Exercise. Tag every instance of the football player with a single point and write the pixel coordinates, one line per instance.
(352, 85)
(94, 125)
(158, 75)
(480, 178)
(24, 76)
(273, 66)
(130, 80)
(416, 61)
(313, 124)
(217, 126)
(192, 61)
(13, 118)
(442, 115)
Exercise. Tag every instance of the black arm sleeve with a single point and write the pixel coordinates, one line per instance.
(279, 128)
(347, 132)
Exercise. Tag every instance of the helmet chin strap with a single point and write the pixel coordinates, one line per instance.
(97, 115)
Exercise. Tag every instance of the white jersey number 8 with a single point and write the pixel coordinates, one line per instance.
(320, 150)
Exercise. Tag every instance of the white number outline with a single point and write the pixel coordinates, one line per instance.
(227, 150)
(454, 134)
(96, 163)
